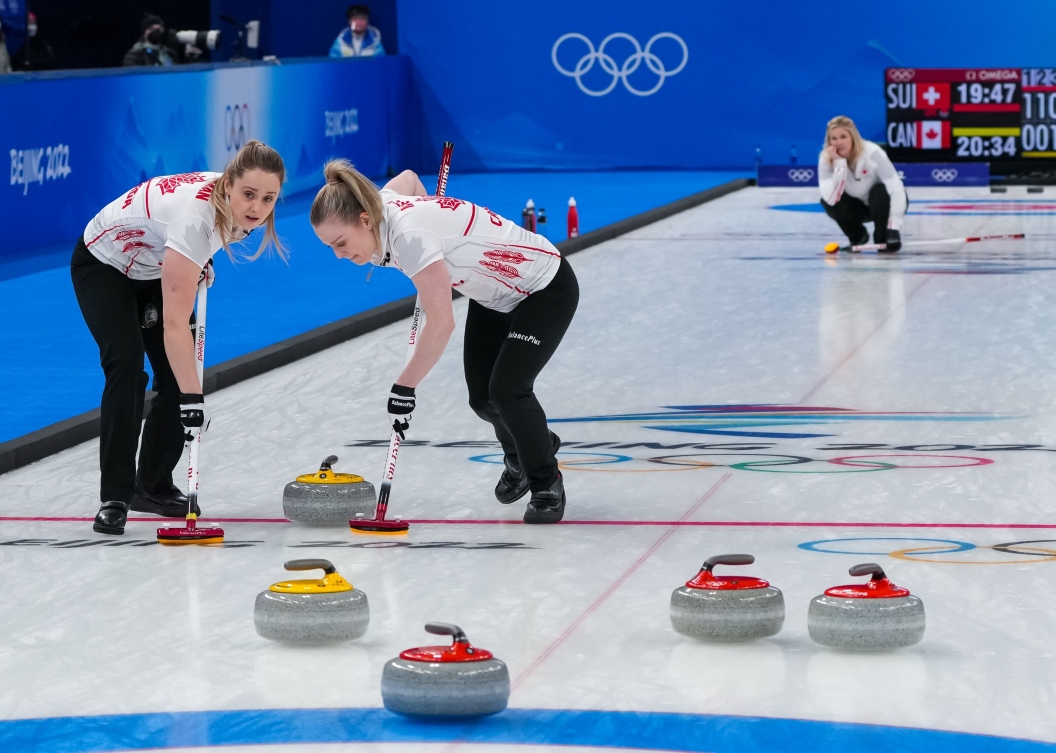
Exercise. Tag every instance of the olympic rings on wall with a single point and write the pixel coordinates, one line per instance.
(801, 175)
(943, 175)
(622, 72)
(236, 126)
(938, 547)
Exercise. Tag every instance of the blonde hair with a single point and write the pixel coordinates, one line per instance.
(347, 194)
(253, 156)
(857, 147)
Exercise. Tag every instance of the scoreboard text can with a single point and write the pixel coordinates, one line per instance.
(970, 114)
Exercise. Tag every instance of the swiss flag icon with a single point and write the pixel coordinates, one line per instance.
(933, 97)
(933, 134)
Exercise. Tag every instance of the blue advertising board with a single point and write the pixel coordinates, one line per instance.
(81, 140)
(912, 174)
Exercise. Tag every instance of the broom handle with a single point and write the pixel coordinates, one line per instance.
(199, 366)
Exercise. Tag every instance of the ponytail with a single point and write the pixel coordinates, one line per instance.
(347, 194)
(253, 156)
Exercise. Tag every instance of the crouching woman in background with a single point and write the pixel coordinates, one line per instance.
(859, 184)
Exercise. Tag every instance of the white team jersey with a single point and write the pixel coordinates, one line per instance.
(495, 262)
(132, 232)
(873, 166)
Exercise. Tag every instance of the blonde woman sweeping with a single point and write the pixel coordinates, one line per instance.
(136, 272)
(522, 296)
(859, 184)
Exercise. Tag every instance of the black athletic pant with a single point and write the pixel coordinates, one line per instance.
(503, 355)
(114, 308)
(850, 214)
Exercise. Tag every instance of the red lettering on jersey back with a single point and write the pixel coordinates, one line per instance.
(205, 191)
(125, 235)
(133, 245)
(510, 257)
(499, 268)
(445, 202)
(401, 204)
(170, 183)
(495, 219)
(129, 195)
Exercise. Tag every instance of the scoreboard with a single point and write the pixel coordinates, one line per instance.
(971, 114)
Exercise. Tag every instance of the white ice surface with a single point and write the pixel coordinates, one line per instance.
(729, 303)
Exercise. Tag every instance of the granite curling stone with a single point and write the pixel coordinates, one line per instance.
(873, 615)
(456, 680)
(312, 612)
(727, 608)
(328, 497)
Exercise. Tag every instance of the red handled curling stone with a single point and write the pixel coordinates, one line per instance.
(727, 608)
(872, 615)
(327, 496)
(310, 612)
(455, 680)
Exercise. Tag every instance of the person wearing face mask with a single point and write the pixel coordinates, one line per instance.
(158, 45)
(37, 54)
(522, 297)
(859, 184)
(359, 39)
(135, 274)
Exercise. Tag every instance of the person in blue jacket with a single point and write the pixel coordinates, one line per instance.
(360, 39)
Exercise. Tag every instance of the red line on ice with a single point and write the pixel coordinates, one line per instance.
(619, 581)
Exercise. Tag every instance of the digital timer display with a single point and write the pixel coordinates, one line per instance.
(974, 114)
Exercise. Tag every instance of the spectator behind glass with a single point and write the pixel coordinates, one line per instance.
(360, 39)
(5, 59)
(37, 54)
(159, 46)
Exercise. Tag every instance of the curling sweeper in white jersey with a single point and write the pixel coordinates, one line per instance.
(522, 293)
(136, 272)
(860, 184)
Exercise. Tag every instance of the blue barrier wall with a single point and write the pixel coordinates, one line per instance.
(767, 73)
(79, 141)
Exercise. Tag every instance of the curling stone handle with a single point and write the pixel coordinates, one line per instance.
(727, 559)
(443, 628)
(869, 568)
(328, 463)
(324, 565)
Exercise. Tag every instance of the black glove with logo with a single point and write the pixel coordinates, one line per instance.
(193, 415)
(401, 408)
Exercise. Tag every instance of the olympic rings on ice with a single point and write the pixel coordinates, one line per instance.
(944, 175)
(938, 547)
(605, 462)
(622, 72)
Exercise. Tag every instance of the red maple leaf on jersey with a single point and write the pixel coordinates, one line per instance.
(132, 245)
(499, 268)
(510, 257)
(445, 202)
(170, 183)
(401, 204)
(125, 235)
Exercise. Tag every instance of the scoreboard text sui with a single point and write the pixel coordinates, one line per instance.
(970, 114)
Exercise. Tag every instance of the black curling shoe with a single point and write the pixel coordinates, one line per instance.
(169, 504)
(894, 242)
(513, 484)
(548, 505)
(111, 518)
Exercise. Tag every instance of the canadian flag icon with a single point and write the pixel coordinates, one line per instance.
(933, 134)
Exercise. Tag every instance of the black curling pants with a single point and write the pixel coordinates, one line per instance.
(503, 354)
(114, 307)
(850, 214)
